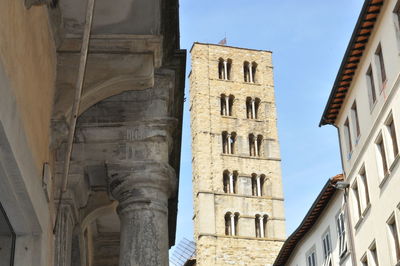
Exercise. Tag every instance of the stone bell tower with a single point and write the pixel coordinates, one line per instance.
(238, 200)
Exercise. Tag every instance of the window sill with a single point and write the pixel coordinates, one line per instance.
(358, 223)
(343, 257)
(362, 217)
(251, 157)
(372, 107)
(394, 163)
(384, 179)
(229, 117)
(251, 83)
(225, 80)
(366, 210)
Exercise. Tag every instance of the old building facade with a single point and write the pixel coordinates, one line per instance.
(364, 107)
(238, 199)
(90, 177)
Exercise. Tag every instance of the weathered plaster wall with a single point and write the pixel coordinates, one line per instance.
(28, 55)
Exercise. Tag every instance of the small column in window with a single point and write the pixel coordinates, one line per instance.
(253, 72)
(261, 221)
(253, 109)
(225, 70)
(232, 224)
(258, 186)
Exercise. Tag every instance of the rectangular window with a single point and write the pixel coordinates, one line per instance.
(347, 136)
(371, 87)
(341, 234)
(394, 239)
(380, 65)
(311, 259)
(381, 157)
(374, 255)
(356, 197)
(354, 119)
(364, 260)
(393, 149)
(7, 239)
(364, 183)
(326, 244)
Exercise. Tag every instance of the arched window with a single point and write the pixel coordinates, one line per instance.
(249, 107)
(254, 184)
(227, 104)
(231, 223)
(252, 106)
(257, 225)
(224, 69)
(264, 225)
(230, 104)
(262, 185)
(233, 142)
(221, 69)
(260, 225)
(256, 106)
(252, 146)
(228, 69)
(228, 142)
(257, 184)
(230, 181)
(224, 105)
(258, 145)
(254, 72)
(246, 72)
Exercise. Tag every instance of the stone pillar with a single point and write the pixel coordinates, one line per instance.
(253, 109)
(225, 70)
(255, 146)
(231, 189)
(227, 106)
(63, 239)
(142, 189)
(229, 144)
(261, 221)
(258, 186)
(232, 224)
(251, 73)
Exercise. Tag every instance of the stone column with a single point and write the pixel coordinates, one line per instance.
(63, 239)
(253, 109)
(227, 106)
(229, 143)
(231, 189)
(261, 221)
(142, 189)
(255, 146)
(225, 70)
(258, 186)
(232, 224)
(251, 72)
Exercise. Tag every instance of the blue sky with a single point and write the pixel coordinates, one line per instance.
(308, 39)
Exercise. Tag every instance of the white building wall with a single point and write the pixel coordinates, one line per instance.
(383, 191)
(313, 238)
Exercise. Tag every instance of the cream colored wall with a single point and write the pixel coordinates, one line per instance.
(27, 53)
(210, 202)
(384, 194)
(313, 238)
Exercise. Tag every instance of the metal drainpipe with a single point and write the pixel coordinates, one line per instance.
(77, 99)
(347, 209)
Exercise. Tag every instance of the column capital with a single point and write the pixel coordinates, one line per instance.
(141, 182)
